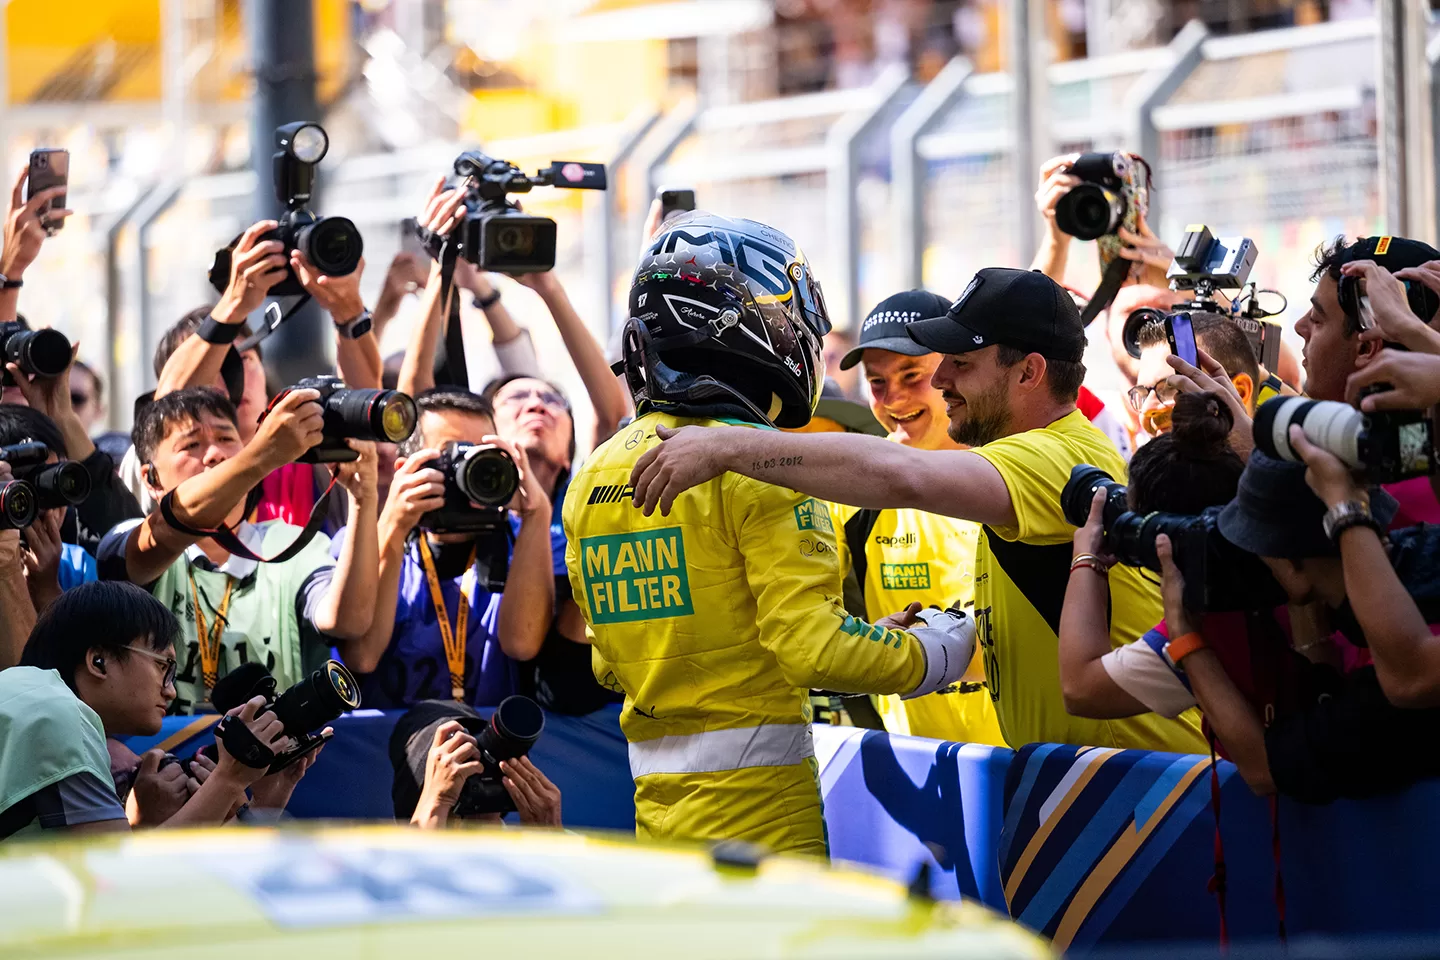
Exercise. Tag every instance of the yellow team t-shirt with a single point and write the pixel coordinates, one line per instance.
(1020, 577)
(910, 556)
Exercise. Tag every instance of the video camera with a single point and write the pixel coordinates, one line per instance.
(1219, 576)
(332, 244)
(495, 234)
(301, 710)
(384, 415)
(39, 353)
(1388, 446)
(38, 485)
(1203, 265)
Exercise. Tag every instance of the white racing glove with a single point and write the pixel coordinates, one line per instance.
(948, 639)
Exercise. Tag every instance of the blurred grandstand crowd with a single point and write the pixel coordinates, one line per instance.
(932, 524)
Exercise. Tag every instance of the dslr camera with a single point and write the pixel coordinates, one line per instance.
(480, 479)
(384, 415)
(1219, 576)
(509, 734)
(38, 485)
(302, 710)
(1097, 207)
(332, 244)
(1388, 446)
(495, 234)
(1355, 303)
(39, 353)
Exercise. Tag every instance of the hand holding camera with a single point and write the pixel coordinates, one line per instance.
(294, 423)
(1151, 255)
(26, 226)
(417, 489)
(256, 264)
(1414, 380)
(454, 758)
(1385, 307)
(273, 791)
(1178, 620)
(337, 296)
(360, 477)
(264, 729)
(159, 791)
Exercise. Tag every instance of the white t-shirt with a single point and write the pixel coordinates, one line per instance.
(1142, 669)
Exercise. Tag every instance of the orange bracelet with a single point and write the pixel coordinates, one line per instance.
(1182, 646)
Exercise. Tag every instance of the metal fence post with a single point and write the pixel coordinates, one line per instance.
(135, 341)
(1026, 44)
(907, 169)
(1152, 90)
(842, 143)
(1403, 121)
(1432, 57)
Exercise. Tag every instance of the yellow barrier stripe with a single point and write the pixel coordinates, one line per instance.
(1117, 857)
(1032, 849)
(195, 727)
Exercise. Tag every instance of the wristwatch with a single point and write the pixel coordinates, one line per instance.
(1347, 514)
(7, 284)
(356, 328)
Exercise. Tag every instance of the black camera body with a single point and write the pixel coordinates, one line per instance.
(1097, 206)
(332, 244)
(480, 480)
(63, 484)
(383, 415)
(304, 708)
(510, 733)
(1422, 301)
(39, 353)
(495, 234)
(1219, 576)
(1389, 446)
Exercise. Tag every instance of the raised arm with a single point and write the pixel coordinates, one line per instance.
(443, 211)
(358, 359)
(18, 617)
(528, 604)
(207, 500)
(841, 468)
(255, 266)
(346, 609)
(24, 235)
(606, 395)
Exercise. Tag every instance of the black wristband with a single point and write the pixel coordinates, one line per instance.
(1356, 520)
(485, 303)
(219, 333)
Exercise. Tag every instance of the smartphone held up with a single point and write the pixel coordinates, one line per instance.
(49, 167)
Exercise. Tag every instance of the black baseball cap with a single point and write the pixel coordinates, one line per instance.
(1392, 253)
(884, 326)
(1276, 514)
(1017, 308)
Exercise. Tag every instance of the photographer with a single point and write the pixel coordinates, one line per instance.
(231, 608)
(17, 611)
(1335, 350)
(454, 756)
(101, 662)
(413, 650)
(26, 223)
(1010, 377)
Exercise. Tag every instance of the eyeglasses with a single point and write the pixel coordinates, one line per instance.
(169, 662)
(1138, 394)
(518, 398)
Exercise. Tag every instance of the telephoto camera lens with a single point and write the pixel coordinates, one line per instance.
(485, 474)
(64, 484)
(386, 415)
(40, 353)
(1080, 490)
(318, 699)
(513, 729)
(333, 244)
(18, 505)
(1336, 427)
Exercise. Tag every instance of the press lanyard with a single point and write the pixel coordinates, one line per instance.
(210, 639)
(454, 640)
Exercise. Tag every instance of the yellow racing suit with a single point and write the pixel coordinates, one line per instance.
(911, 555)
(715, 621)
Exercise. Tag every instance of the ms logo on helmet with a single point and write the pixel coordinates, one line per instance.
(759, 261)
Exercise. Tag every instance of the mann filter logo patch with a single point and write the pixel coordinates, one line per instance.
(813, 515)
(905, 576)
(636, 576)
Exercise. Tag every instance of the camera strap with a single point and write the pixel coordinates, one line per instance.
(454, 640)
(228, 539)
(1110, 284)
(273, 318)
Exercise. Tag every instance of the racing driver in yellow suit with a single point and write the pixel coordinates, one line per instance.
(716, 620)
